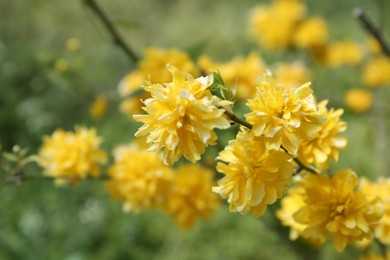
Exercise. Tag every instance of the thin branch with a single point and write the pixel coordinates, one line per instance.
(370, 28)
(236, 119)
(116, 38)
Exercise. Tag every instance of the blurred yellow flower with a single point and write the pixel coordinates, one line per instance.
(61, 65)
(289, 205)
(98, 107)
(380, 188)
(311, 33)
(291, 75)
(376, 72)
(151, 68)
(327, 143)
(373, 46)
(241, 73)
(191, 196)
(343, 53)
(181, 116)
(284, 116)
(254, 176)
(371, 255)
(139, 178)
(359, 100)
(73, 44)
(72, 155)
(153, 65)
(334, 206)
(273, 26)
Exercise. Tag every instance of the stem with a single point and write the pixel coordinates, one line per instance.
(116, 38)
(236, 119)
(370, 28)
(301, 165)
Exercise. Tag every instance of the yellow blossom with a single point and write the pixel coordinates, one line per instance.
(334, 207)
(376, 72)
(153, 65)
(139, 178)
(311, 33)
(98, 107)
(284, 116)
(181, 116)
(291, 75)
(289, 205)
(73, 44)
(72, 155)
(343, 53)
(359, 100)
(241, 73)
(191, 196)
(151, 68)
(273, 26)
(380, 188)
(374, 46)
(254, 176)
(327, 143)
(129, 87)
(371, 255)
(61, 65)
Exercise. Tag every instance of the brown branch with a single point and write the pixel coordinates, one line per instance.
(116, 38)
(370, 28)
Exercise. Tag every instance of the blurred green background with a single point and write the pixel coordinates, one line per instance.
(40, 221)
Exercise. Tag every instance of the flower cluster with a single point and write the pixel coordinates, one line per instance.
(181, 116)
(381, 189)
(284, 116)
(254, 175)
(72, 155)
(142, 182)
(191, 196)
(139, 178)
(152, 68)
(331, 206)
(327, 143)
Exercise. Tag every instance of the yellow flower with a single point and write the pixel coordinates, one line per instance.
(333, 206)
(153, 65)
(343, 53)
(374, 46)
(73, 44)
(61, 65)
(311, 33)
(289, 205)
(191, 196)
(291, 75)
(284, 116)
(241, 73)
(380, 188)
(327, 143)
(139, 179)
(254, 176)
(371, 255)
(273, 26)
(376, 72)
(68, 155)
(98, 107)
(359, 100)
(152, 68)
(181, 116)
(130, 85)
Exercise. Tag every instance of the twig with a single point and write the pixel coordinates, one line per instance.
(367, 24)
(116, 38)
